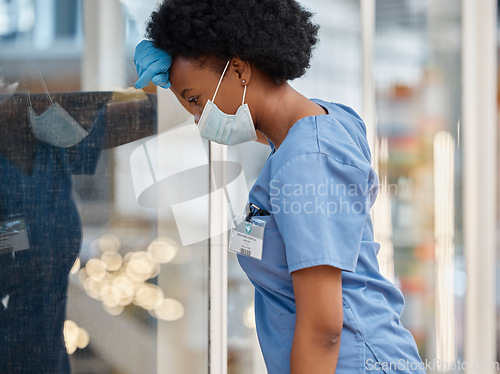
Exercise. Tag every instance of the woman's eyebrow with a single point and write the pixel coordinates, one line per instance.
(184, 91)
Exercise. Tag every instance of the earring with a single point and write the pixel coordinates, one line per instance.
(243, 81)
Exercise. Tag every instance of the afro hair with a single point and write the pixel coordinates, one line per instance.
(277, 36)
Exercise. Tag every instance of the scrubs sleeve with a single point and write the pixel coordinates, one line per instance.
(320, 206)
(84, 156)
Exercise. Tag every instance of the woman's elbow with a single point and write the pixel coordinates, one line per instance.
(321, 335)
(330, 338)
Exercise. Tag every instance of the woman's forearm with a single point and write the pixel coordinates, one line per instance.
(129, 120)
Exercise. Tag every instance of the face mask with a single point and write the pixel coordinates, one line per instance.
(56, 127)
(229, 129)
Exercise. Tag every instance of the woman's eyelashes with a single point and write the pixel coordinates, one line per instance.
(196, 101)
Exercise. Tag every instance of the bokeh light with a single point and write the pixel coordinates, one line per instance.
(75, 336)
(76, 266)
(109, 243)
(118, 281)
(169, 310)
(249, 317)
(162, 250)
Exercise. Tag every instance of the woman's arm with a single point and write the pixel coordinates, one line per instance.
(130, 117)
(319, 320)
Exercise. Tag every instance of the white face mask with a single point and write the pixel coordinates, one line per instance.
(229, 129)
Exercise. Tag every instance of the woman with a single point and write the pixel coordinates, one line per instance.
(321, 303)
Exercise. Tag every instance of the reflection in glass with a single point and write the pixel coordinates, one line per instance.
(137, 298)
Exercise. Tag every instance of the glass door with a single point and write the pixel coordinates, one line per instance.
(137, 297)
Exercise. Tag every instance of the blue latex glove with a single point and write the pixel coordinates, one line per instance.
(152, 65)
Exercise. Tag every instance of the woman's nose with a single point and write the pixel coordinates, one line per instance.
(197, 115)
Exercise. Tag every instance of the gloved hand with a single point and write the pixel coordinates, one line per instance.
(152, 65)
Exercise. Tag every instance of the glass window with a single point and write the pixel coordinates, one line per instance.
(418, 216)
(137, 296)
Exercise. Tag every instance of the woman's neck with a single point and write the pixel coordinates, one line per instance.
(278, 108)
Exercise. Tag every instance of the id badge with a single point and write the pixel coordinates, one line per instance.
(247, 237)
(13, 236)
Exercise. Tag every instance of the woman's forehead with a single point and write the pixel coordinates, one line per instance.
(181, 69)
(187, 73)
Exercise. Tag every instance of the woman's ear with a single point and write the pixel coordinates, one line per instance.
(242, 69)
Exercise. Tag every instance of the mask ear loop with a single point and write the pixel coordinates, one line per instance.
(212, 175)
(244, 93)
(40, 76)
(220, 80)
(43, 84)
(29, 98)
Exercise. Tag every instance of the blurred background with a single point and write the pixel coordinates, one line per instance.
(139, 296)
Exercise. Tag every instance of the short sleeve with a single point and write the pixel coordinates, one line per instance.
(320, 206)
(84, 156)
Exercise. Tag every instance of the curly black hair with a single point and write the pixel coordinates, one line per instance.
(277, 36)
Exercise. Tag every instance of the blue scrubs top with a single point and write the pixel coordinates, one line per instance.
(319, 186)
(36, 280)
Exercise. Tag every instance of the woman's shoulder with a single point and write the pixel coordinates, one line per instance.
(339, 135)
(343, 133)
